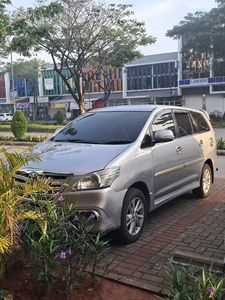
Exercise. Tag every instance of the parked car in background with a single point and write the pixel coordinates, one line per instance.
(4, 117)
(119, 163)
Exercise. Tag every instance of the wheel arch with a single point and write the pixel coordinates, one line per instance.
(210, 163)
(140, 185)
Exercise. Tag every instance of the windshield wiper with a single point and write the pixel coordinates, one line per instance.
(120, 142)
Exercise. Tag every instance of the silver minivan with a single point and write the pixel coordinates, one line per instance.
(119, 163)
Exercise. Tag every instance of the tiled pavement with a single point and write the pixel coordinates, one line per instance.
(186, 224)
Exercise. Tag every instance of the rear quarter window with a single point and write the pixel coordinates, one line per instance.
(199, 123)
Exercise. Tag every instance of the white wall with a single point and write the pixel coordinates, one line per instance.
(213, 103)
(193, 101)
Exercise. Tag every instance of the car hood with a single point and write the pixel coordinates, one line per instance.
(59, 157)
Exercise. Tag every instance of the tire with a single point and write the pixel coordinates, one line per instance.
(205, 182)
(129, 233)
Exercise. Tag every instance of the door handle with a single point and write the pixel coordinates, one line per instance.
(200, 143)
(178, 149)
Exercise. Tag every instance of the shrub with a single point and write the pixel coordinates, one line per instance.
(195, 283)
(34, 128)
(221, 144)
(12, 208)
(59, 117)
(66, 247)
(27, 138)
(19, 124)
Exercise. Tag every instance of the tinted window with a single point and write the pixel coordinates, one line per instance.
(105, 128)
(183, 123)
(200, 124)
(1, 115)
(163, 121)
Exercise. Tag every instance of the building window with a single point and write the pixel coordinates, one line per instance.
(140, 84)
(150, 70)
(144, 71)
(149, 83)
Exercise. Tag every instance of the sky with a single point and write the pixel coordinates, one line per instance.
(158, 15)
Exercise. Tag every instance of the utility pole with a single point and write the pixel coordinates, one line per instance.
(13, 87)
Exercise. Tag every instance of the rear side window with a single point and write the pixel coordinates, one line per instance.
(1, 115)
(163, 121)
(183, 123)
(199, 122)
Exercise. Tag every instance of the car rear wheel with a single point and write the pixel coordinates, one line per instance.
(133, 217)
(205, 183)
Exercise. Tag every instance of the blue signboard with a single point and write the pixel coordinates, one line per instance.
(201, 81)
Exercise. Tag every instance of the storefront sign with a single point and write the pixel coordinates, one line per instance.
(20, 105)
(59, 105)
(49, 85)
(201, 81)
(39, 99)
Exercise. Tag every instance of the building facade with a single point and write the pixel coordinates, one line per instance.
(164, 79)
(200, 85)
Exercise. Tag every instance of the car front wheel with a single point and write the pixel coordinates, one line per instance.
(205, 182)
(133, 217)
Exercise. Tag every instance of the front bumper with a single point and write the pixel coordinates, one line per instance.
(106, 203)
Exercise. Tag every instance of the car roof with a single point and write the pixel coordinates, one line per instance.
(149, 107)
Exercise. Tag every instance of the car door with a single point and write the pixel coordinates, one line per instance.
(192, 152)
(167, 158)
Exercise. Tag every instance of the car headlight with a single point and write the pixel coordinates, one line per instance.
(97, 180)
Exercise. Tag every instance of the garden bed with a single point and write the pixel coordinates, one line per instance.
(21, 284)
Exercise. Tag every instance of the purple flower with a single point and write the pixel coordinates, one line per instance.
(76, 218)
(20, 226)
(69, 251)
(61, 198)
(69, 223)
(58, 193)
(63, 255)
(112, 223)
(212, 291)
(92, 216)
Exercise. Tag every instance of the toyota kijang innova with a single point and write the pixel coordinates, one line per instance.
(120, 163)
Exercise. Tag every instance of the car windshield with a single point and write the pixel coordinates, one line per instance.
(104, 128)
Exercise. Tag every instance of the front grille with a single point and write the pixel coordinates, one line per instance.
(56, 180)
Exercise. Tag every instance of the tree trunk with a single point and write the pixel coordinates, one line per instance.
(81, 106)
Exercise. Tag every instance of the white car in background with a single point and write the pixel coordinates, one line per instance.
(6, 117)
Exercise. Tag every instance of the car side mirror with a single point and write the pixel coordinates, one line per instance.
(162, 136)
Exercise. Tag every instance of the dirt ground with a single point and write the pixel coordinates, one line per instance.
(22, 285)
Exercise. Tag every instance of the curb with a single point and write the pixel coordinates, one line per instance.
(220, 152)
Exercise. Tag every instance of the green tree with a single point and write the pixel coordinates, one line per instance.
(59, 117)
(29, 70)
(19, 124)
(4, 23)
(203, 32)
(85, 34)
